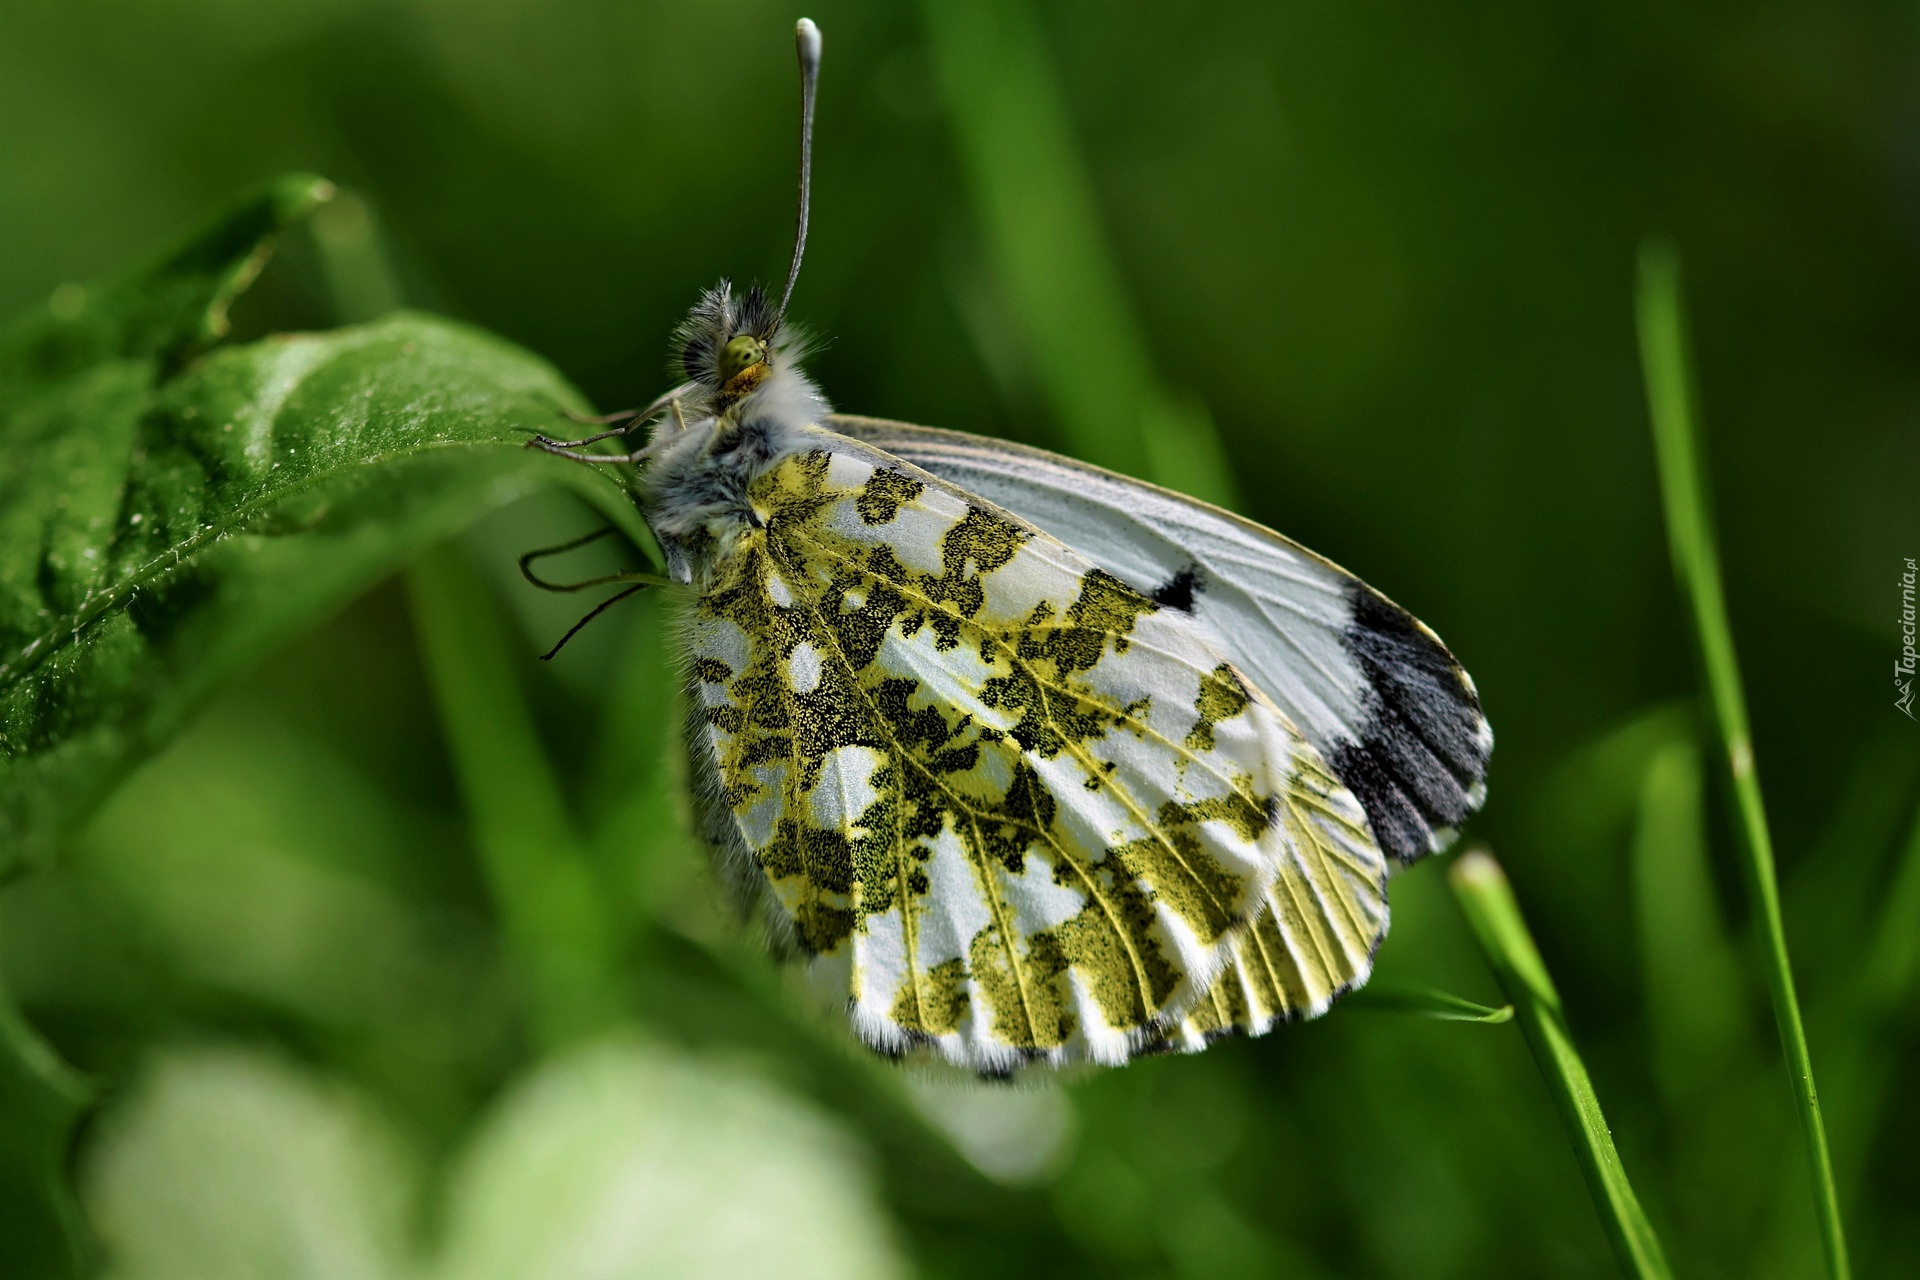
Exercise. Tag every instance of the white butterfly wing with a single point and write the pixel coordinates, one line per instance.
(1376, 693)
(1019, 810)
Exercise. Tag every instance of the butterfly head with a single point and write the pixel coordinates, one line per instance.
(743, 360)
(729, 346)
(747, 406)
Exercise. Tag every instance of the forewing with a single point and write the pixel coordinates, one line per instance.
(1022, 811)
(1372, 689)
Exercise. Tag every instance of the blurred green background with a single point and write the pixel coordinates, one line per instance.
(1387, 253)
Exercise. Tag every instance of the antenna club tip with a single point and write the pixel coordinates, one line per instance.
(806, 37)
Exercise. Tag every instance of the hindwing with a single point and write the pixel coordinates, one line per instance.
(1316, 928)
(1020, 809)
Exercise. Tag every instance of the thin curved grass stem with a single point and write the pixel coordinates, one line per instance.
(1696, 565)
(558, 932)
(1487, 902)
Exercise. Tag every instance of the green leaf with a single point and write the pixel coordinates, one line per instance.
(627, 1159)
(619, 1158)
(229, 1161)
(164, 309)
(169, 514)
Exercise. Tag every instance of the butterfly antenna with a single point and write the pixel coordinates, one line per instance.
(806, 40)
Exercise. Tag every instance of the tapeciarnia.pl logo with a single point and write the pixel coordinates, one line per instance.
(1904, 664)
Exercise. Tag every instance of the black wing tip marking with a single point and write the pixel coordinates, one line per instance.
(1178, 592)
(1419, 765)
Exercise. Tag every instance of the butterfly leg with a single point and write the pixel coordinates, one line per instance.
(601, 419)
(526, 566)
(596, 611)
(637, 582)
(632, 418)
(560, 450)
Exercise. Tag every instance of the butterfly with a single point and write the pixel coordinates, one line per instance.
(1034, 762)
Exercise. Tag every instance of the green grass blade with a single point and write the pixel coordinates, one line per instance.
(1866, 1064)
(1487, 902)
(1696, 565)
(543, 885)
(1040, 223)
(1426, 1002)
(1692, 981)
(1894, 958)
(42, 1102)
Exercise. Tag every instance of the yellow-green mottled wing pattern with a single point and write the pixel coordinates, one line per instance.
(1022, 812)
(1317, 926)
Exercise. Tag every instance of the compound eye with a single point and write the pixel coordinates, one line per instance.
(741, 353)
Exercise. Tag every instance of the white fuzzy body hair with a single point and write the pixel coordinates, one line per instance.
(693, 489)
